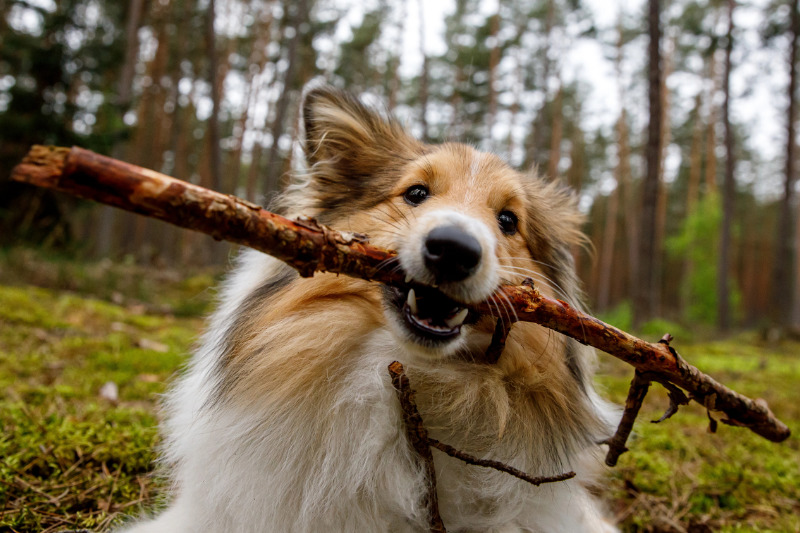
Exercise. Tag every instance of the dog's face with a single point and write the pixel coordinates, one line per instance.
(462, 221)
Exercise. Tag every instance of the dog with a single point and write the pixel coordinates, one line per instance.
(286, 419)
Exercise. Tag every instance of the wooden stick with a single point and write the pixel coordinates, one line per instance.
(497, 465)
(309, 246)
(636, 394)
(422, 443)
(418, 438)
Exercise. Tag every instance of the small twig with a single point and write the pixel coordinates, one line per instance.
(422, 444)
(418, 437)
(498, 344)
(676, 398)
(636, 394)
(497, 465)
(639, 387)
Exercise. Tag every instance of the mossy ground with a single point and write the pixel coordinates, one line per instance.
(678, 476)
(71, 459)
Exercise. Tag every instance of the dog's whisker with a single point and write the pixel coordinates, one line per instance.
(510, 307)
(541, 278)
(543, 263)
(538, 278)
(388, 219)
(493, 301)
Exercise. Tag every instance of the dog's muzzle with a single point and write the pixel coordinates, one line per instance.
(449, 255)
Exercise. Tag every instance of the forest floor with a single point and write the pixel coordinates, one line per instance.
(85, 351)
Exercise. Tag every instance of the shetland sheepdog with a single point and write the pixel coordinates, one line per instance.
(286, 419)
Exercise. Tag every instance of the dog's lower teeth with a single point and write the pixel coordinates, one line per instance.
(408, 278)
(412, 301)
(458, 318)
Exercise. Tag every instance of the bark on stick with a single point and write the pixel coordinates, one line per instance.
(309, 247)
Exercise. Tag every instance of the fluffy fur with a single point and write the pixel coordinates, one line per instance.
(286, 420)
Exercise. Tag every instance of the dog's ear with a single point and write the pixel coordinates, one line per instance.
(351, 150)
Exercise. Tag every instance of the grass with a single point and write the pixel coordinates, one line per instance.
(680, 477)
(71, 459)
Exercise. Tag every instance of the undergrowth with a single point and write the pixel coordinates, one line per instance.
(71, 458)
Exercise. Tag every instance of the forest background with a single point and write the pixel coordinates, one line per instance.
(682, 174)
(691, 209)
(673, 120)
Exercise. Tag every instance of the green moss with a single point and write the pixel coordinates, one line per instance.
(733, 480)
(70, 459)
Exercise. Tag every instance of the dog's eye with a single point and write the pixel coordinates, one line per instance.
(416, 194)
(508, 222)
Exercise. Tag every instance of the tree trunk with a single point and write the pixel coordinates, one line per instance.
(711, 134)
(107, 216)
(494, 60)
(273, 168)
(661, 208)
(536, 137)
(515, 106)
(556, 135)
(723, 268)
(692, 195)
(782, 290)
(606, 261)
(629, 204)
(423, 78)
(215, 157)
(695, 157)
(256, 64)
(394, 62)
(645, 289)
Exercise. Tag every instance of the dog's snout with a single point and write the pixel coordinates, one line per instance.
(451, 254)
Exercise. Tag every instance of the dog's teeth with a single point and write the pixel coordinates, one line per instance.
(408, 278)
(458, 318)
(412, 301)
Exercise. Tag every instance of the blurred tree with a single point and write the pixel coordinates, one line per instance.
(423, 75)
(296, 28)
(59, 60)
(644, 297)
(728, 190)
(778, 24)
(358, 68)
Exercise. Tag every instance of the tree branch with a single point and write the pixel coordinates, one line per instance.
(418, 438)
(616, 444)
(309, 247)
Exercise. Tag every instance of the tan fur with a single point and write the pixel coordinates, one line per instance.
(286, 420)
(320, 323)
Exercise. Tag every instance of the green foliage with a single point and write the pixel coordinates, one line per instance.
(357, 69)
(620, 316)
(697, 243)
(656, 328)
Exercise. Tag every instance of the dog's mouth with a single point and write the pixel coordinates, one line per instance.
(429, 314)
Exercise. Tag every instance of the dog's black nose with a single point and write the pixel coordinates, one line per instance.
(451, 254)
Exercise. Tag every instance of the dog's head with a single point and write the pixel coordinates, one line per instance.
(463, 222)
